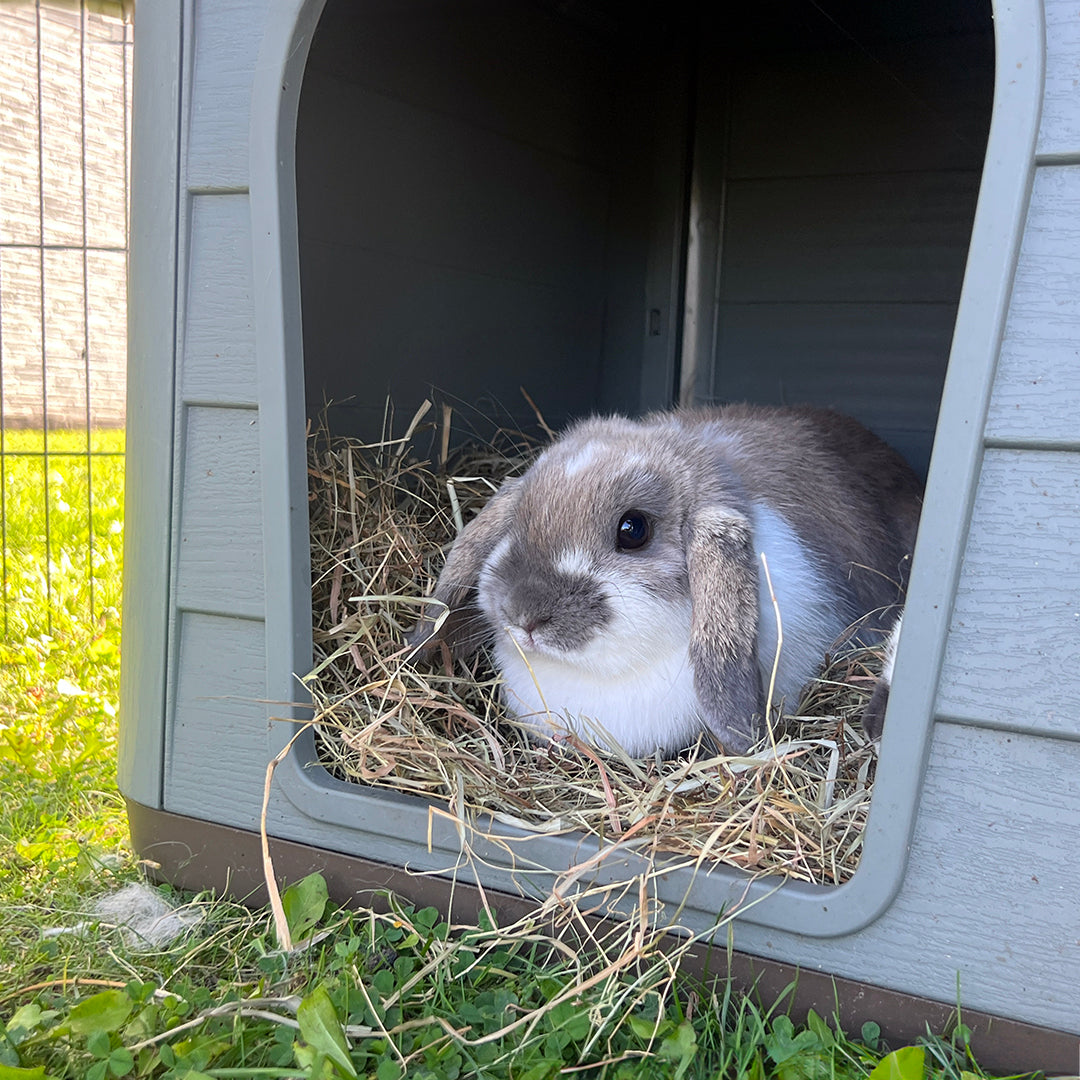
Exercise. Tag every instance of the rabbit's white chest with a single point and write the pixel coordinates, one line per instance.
(652, 706)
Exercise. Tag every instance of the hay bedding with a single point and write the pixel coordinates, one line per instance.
(381, 516)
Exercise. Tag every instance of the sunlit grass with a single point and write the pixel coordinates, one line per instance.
(63, 529)
(59, 663)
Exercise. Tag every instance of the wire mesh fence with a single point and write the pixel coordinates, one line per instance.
(65, 94)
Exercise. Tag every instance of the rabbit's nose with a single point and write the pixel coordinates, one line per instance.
(534, 623)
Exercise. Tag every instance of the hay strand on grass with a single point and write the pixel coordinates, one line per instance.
(381, 517)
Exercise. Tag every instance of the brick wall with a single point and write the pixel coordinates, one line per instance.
(65, 85)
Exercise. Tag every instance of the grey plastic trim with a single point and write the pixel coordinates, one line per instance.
(217, 189)
(1063, 158)
(393, 828)
(1053, 446)
(152, 284)
(279, 344)
(1000, 217)
(1056, 735)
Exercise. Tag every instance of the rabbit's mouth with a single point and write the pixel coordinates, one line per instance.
(555, 617)
(537, 636)
(523, 637)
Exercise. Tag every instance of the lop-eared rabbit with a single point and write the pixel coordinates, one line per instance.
(620, 579)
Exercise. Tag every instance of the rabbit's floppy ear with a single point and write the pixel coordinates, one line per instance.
(724, 625)
(463, 629)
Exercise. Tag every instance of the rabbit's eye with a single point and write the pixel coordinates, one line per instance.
(634, 531)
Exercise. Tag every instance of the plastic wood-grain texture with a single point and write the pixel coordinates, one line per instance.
(1038, 378)
(543, 213)
(1014, 641)
(483, 247)
(218, 358)
(1059, 132)
(218, 720)
(487, 198)
(226, 39)
(830, 223)
(219, 546)
(893, 237)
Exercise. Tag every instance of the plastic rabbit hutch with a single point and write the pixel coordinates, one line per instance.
(872, 206)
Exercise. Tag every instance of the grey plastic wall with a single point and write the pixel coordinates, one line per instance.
(836, 171)
(962, 869)
(531, 173)
(529, 177)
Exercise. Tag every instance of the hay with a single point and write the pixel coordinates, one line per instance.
(381, 516)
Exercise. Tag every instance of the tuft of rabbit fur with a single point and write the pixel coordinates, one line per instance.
(873, 717)
(619, 580)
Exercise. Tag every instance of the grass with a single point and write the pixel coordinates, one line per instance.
(365, 993)
(402, 994)
(62, 562)
(59, 662)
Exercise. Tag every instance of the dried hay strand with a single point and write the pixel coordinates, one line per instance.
(381, 517)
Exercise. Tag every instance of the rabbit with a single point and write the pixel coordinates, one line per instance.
(619, 580)
(873, 717)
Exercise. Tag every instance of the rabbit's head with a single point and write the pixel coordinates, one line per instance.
(620, 566)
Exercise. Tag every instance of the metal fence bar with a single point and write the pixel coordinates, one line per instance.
(86, 315)
(61, 247)
(59, 453)
(44, 350)
(3, 462)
